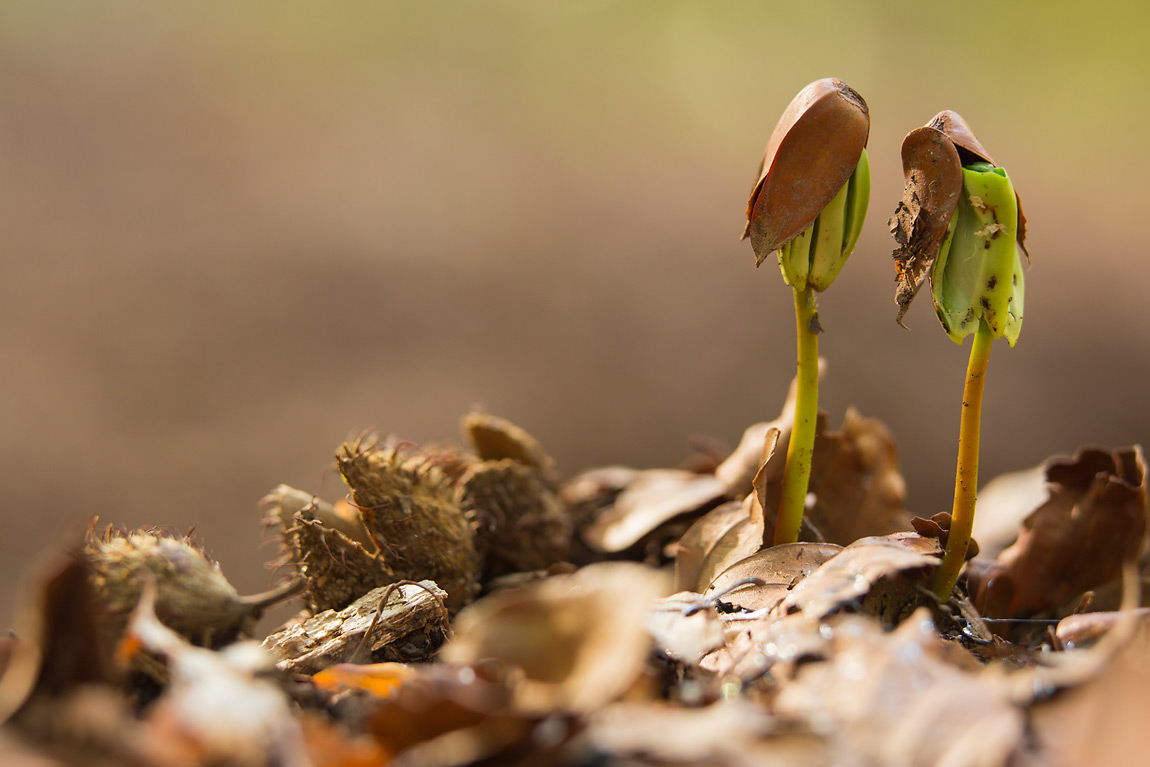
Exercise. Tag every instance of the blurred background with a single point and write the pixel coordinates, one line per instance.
(234, 234)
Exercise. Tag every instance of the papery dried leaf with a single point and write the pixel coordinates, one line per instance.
(1094, 520)
(716, 541)
(337, 570)
(766, 644)
(1081, 629)
(410, 627)
(497, 438)
(777, 570)
(725, 733)
(411, 513)
(519, 523)
(685, 627)
(592, 492)
(328, 745)
(62, 646)
(656, 496)
(890, 698)
(378, 679)
(813, 150)
(850, 576)
(580, 639)
(1103, 721)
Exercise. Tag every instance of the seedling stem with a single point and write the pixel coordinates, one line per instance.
(966, 477)
(797, 473)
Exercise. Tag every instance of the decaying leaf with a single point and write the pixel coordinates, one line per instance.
(716, 541)
(854, 572)
(1092, 522)
(400, 622)
(411, 513)
(654, 497)
(580, 640)
(1003, 503)
(685, 627)
(519, 522)
(769, 575)
(892, 699)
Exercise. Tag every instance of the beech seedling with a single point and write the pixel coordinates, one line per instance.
(809, 204)
(960, 226)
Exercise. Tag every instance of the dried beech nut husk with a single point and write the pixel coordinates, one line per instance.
(336, 570)
(811, 154)
(410, 511)
(193, 598)
(518, 520)
(933, 157)
(497, 438)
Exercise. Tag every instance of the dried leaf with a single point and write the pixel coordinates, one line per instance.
(410, 511)
(580, 640)
(775, 571)
(1094, 520)
(685, 627)
(410, 626)
(1003, 503)
(854, 572)
(652, 499)
(378, 679)
(716, 541)
(890, 698)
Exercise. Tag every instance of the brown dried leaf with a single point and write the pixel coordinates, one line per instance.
(1004, 503)
(410, 627)
(1094, 520)
(580, 640)
(518, 520)
(685, 627)
(410, 511)
(776, 570)
(716, 541)
(899, 559)
(891, 698)
(812, 152)
(497, 438)
(653, 498)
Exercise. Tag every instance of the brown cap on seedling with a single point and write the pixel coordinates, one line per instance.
(932, 161)
(812, 152)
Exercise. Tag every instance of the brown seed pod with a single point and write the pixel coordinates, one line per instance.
(193, 597)
(496, 438)
(932, 160)
(812, 152)
(409, 509)
(336, 570)
(519, 523)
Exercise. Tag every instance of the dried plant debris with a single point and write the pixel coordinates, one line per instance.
(335, 569)
(400, 622)
(411, 512)
(518, 520)
(497, 438)
(1094, 519)
(192, 596)
(579, 640)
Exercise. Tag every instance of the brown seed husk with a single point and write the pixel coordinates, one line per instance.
(812, 152)
(193, 598)
(518, 520)
(497, 438)
(336, 569)
(410, 512)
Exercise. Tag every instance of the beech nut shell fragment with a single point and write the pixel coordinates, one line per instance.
(932, 160)
(812, 152)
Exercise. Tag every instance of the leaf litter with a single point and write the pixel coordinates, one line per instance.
(466, 605)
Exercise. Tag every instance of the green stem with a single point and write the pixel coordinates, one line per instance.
(797, 473)
(966, 477)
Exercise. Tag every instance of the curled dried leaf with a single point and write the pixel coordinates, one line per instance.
(769, 575)
(716, 541)
(811, 154)
(580, 640)
(1094, 520)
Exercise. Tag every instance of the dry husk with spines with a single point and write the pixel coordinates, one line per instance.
(193, 597)
(409, 509)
